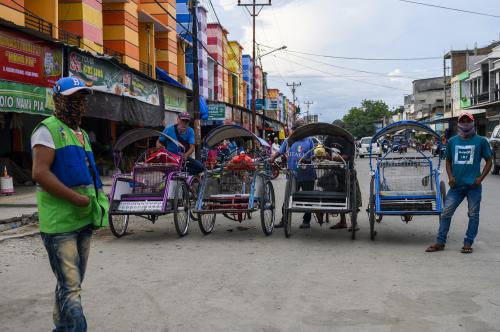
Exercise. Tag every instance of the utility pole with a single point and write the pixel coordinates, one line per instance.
(294, 88)
(196, 83)
(254, 14)
(308, 103)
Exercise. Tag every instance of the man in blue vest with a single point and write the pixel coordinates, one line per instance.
(70, 198)
(184, 134)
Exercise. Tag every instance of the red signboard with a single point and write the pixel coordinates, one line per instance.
(28, 60)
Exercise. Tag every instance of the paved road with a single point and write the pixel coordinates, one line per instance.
(236, 279)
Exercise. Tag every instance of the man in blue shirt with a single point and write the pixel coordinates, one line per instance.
(184, 134)
(305, 178)
(464, 153)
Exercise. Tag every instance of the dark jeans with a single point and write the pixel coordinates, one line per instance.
(194, 167)
(454, 197)
(68, 254)
(301, 186)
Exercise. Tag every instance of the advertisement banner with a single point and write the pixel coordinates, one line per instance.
(106, 77)
(25, 98)
(272, 104)
(237, 116)
(175, 100)
(216, 111)
(28, 60)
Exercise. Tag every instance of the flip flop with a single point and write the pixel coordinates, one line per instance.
(435, 247)
(338, 226)
(466, 250)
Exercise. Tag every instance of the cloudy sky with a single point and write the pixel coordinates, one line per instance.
(357, 28)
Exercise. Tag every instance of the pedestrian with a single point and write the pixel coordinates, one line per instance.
(464, 153)
(275, 146)
(305, 177)
(70, 198)
(184, 134)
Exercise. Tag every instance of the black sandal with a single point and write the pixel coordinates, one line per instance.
(466, 250)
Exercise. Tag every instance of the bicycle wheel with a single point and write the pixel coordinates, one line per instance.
(287, 215)
(371, 209)
(193, 196)
(354, 212)
(267, 208)
(118, 224)
(181, 209)
(206, 221)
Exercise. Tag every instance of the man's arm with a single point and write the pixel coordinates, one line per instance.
(451, 178)
(42, 160)
(189, 151)
(159, 144)
(486, 170)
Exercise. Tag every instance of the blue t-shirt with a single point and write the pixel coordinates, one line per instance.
(298, 150)
(187, 137)
(465, 156)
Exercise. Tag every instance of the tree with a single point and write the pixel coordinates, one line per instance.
(359, 121)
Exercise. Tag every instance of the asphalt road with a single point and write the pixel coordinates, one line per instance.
(237, 279)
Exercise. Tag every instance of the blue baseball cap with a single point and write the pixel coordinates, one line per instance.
(68, 85)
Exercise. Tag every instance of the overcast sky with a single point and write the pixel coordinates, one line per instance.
(357, 28)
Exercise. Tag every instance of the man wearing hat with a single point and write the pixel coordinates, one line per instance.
(184, 134)
(464, 153)
(69, 197)
(305, 180)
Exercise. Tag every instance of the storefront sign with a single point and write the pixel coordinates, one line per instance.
(272, 104)
(175, 100)
(28, 60)
(106, 77)
(246, 120)
(237, 116)
(216, 111)
(24, 98)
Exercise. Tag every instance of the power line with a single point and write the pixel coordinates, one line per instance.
(358, 58)
(449, 8)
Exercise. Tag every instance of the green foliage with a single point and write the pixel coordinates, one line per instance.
(359, 121)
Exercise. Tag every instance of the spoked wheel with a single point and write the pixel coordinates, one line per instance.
(118, 224)
(181, 209)
(354, 212)
(371, 210)
(193, 195)
(267, 205)
(206, 221)
(287, 215)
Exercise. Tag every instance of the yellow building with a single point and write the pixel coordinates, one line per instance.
(139, 33)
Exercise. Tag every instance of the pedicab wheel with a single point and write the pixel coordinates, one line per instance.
(267, 211)
(181, 209)
(287, 215)
(354, 212)
(206, 221)
(118, 224)
(371, 210)
(193, 195)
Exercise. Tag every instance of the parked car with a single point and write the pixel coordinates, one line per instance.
(364, 147)
(495, 147)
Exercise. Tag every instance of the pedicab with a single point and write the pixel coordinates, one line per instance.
(156, 184)
(238, 187)
(405, 185)
(334, 189)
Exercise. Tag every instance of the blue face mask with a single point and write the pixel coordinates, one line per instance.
(466, 130)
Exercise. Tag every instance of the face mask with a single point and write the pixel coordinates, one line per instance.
(466, 130)
(70, 109)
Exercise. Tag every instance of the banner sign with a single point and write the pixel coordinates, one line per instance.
(24, 98)
(106, 77)
(216, 111)
(28, 60)
(259, 104)
(237, 115)
(246, 120)
(175, 100)
(272, 104)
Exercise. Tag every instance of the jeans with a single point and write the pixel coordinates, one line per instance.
(68, 254)
(454, 197)
(306, 186)
(194, 167)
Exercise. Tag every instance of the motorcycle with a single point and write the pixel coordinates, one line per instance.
(278, 165)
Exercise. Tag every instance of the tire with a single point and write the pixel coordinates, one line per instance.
(118, 224)
(287, 215)
(267, 208)
(354, 213)
(193, 191)
(371, 208)
(206, 222)
(495, 169)
(182, 209)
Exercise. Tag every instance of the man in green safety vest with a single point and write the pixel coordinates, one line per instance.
(69, 197)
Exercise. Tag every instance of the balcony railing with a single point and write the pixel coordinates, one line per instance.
(117, 55)
(145, 68)
(69, 38)
(36, 23)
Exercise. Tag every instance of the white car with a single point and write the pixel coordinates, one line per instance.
(364, 147)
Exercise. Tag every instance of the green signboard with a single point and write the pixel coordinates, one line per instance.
(175, 99)
(24, 98)
(216, 111)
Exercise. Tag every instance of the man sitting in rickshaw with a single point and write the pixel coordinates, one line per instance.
(346, 153)
(305, 178)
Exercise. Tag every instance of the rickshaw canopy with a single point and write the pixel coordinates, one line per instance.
(406, 125)
(221, 133)
(138, 134)
(320, 129)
